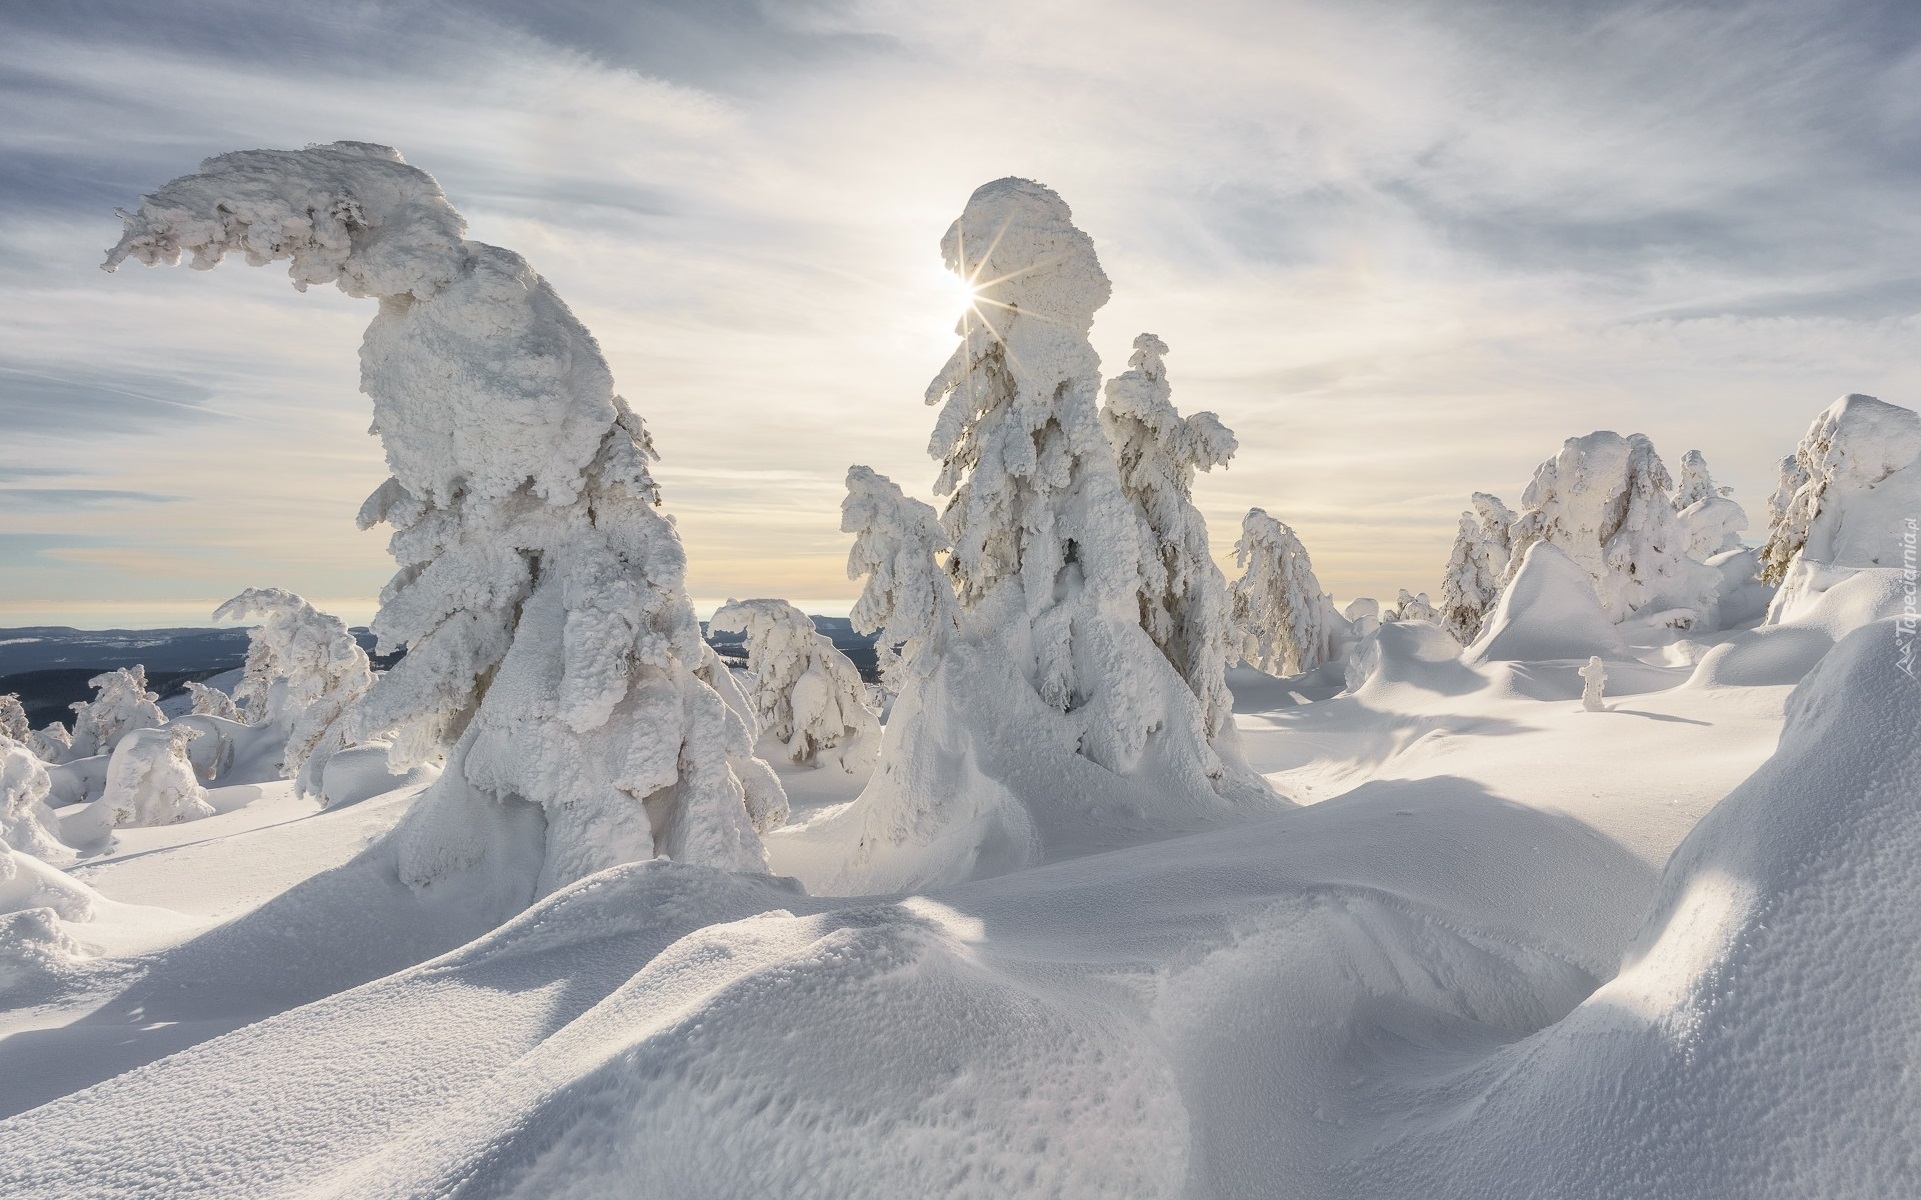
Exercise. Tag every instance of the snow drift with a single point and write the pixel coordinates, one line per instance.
(1549, 611)
(1759, 1038)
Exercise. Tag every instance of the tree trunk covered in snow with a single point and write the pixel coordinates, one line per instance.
(551, 646)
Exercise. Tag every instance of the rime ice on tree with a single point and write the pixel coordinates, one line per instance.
(1713, 521)
(304, 673)
(1289, 622)
(212, 702)
(120, 705)
(1034, 705)
(1603, 501)
(1183, 595)
(1594, 678)
(551, 646)
(1412, 606)
(1475, 567)
(808, 694)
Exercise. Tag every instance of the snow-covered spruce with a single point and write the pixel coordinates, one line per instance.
(808, 695)
(1594, 682)
(1183, 595)
(212, 702)
(1603, 500)
(1847, 491)
(121, 704)
(1289, 623)
(1412, 606)
(906, 598)
(1714, 523)
(1048, 715)
(1475, 567)
(303, 675)
(551, 646)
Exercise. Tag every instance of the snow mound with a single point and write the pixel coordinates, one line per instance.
(688, 1076)
(1416, 653)
(1549, 611)
(1758, 1038)
(1819, 606)
(362, 772)
(1850, 492)
(35, 902)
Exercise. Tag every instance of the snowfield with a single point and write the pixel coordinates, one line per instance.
(1601, 879)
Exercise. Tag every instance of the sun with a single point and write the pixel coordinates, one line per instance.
(958, 295)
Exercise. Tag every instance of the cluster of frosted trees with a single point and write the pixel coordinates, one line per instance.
(1056, 636)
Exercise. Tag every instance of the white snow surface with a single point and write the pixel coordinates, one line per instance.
(1548, 611)
(1411, 986)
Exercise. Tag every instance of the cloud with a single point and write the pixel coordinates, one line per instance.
(1403, 248)
(70, 498)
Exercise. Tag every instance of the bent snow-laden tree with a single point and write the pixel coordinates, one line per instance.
(1183, 595)
(809, 695)
(303, 674)
(212, 702)
(1288, 622)
(906, 599)
(1475, 567)
(1603, 501)
(1048, 714)
(551, 646)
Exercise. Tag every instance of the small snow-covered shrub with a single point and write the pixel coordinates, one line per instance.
(303, 675)
(809, 696)
(212, 702)
(1183, 595)
(121, 705)
(151, 781)
(1289, 622)
(1603, 501)
(1475, 567)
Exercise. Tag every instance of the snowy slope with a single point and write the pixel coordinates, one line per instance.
(1354, 998)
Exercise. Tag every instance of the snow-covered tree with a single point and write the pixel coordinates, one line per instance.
(1042, 710)
(552, 651)
(151, 781)
(808, 694)
(907, 599)
(1845, 492)
(1603, 501)
(121, 704)
(1288, 621)
(1713, 521)
(1183, 595)
(52, 744)
(14, 726)
(212, 702)
(1475, 567)
(26, 823)
(303, 675)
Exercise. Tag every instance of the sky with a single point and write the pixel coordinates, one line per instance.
(1403, 249)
